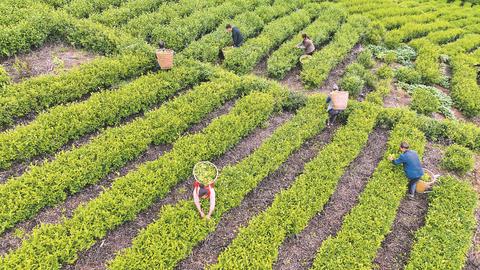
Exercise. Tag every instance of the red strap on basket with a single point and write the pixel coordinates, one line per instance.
(196, 184)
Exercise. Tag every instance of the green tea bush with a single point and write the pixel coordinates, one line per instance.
(375, 33)
(363, 230)
(464, 88)
(294, 101)
(462, 133)
(4, 77)
(458, 159)
(385, 72)
(206, 48)
(446, 102)
(408, 75)
(427, 63)
(45, 91)
(242, 60)
(424, 102)
(115, 17)
(390, 57)
(50, 130)
(365, 59)
(445, 36)
(31, 32)
(352, 84)
(316, 71)
(83, 8)
(284, 59)
(179, 33)
(179, 225)
(449, 227)
(381, 89)
(256, 245)
(132, 193)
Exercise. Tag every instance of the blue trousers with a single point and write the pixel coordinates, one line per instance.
(412, 185)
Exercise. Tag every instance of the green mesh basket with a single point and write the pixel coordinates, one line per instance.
(205, 172)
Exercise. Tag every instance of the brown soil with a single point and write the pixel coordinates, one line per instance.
(363, 94)
(411, 214)
(475, 120)
(442, 89)
(120, 238)
(476, 175)
(458, 114)
(397, 98)
(50, 58)
(298, 251)
(255, 202)
(438, 116)
(9, 240)
(293, 80)
(446, 70)
(261, 68)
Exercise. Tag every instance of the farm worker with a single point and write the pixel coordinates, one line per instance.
(236, 35)
(411, 165)
(161, 45)
(201, 191)
(332, 113)
(306, 45)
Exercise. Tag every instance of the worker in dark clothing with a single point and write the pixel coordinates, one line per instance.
(411, 165)
(204, 192)
(306, 45)
(236, 35)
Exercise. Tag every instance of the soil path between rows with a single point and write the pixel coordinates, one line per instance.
(396, 247)
(8, 241)
(293, 80)
(105, 249)
(256, 201)
(261, 68)
(298, 251)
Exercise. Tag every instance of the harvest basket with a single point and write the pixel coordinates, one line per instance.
(305, 58)
(205, 172)
(339, 100)
(165, 58)
(422, 186)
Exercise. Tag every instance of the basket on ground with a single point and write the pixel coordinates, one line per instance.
(305, 58)
(423, 186)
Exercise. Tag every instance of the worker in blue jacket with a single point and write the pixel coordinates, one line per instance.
(236, 35)
(411, 165)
